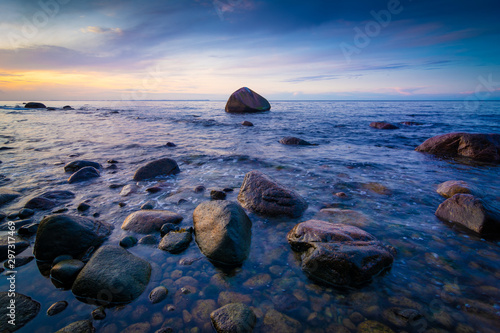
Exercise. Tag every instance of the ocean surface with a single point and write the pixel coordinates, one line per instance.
(449, 276)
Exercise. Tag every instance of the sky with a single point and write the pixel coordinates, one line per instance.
(284, 50)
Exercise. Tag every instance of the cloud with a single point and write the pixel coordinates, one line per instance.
(101, 30)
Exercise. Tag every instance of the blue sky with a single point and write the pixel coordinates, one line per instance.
(192, 49)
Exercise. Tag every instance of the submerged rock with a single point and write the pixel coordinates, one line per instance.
(383, 125)
(479, 147)
(84, 174)
(158, 294)
(128, 190)
(65, 272)
(19, 245)
(35, 105)
(217, 195)
(275, 321)
(234, 317)
(40, 203)
(337, 254)
(175, 241)
(452, 187)
(65, 234)
(223, 231)
(7, 195)
(57, 308)
(162, 167)
(247, 123)
(25, 310)
(128, 241)
(147, 221)
(263, 195)
(82, 326)
(246, 100)
(470, 212)
(292, 141)
(80, 164)
(114, 270)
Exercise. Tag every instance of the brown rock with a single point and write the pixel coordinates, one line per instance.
(277, 322)
(452, 187)
(383, 125)
(148, 221)
(234, 317)
(246, 100)
(162, 167)
(293, 141)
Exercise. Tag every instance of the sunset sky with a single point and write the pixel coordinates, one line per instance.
(205, 49)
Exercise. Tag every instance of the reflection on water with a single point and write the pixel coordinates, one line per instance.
(443, 279)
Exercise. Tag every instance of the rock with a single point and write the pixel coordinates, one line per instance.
(371, 326)
(376, 188)
(121, 274)
(292, 141)
(246, 100)
(411, 123)
(258, 281)
(99, 313)
(175, 241)
(65, 234)
(25, 213)
(128, 241)
(28, 230)
(167, 227)
(199, 189)
(40, 203)
(234, 317)
(19, 246)
(158, 294)
(382, 125)
(247, 123)
(84, 174)
(56, 308)
(452, 187)
(2, 216)
(479, 147)
(61, 258)
(147, 221)
(83, 207)
(20, 261)
(217, 195)
(67, 107)
(346, 216)
(170, 144)
(470, 212)
(25, 309)
(223, 231)
(154, 189)
(150, 205)
(202, 310)
(17, 224)
(137, 328)
(275, 322)
(337, 254)
(65, 272)
(148, 240)
(51, 109)
(263, 195)
(128, 190)
(402, 317)
(341, 194)
(58, 195)
(82, 326)
(162, 167)
(7, 195)
(35, 105)
(77, 165)
(227, 297)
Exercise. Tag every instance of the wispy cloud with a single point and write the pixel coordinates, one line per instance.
(101, 30)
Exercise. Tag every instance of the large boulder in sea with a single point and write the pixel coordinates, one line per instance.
(470, 212)
(35, 105)
(233, 317)
(112, 276)
(148, 221)
(263, 195)
(246, 100)
(161, 167)
(223, 231)
(338, 254)
(68, 235)
(478, 147)
(7, 195)
(24, 310)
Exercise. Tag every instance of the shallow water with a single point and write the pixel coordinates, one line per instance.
(450, 276)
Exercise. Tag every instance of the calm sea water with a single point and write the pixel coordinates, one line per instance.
(451, 277)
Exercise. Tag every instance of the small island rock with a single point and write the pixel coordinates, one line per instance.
(246, 100)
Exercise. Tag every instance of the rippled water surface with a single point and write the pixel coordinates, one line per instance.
(451, 277)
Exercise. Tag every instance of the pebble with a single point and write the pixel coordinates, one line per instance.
(170, 144)
(82, 207)
(217, 195)
(247, 123)
(199, 189)
(99, 314)
(148, 205)
(154, 189)
(128, 242)
(112, 161)
(56, 308)
(25, 213)
(158, 294)
(148, 240)
(167, 227)
(28, 230)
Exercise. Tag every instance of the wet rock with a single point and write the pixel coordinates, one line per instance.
(40, 203)
(83, 207)
(82, 326)
(382, 125)
(234, 317)
(470, 212)
(65, 234)
(263, 195)
(154, 189)
(199, 189)
(65, 272)
(377, 188)
(2, 216)
(34, 105)
(247, 123)
(57, 308)
(61, 258)
(17, 224)
(20, 261)
(19, 245)
(147, 221)
(7, 195)
(402, 317)
(158, 294)
(246, 100)
(99, 313)
(170, 144)
(128, 241)
(175, 242)
(337, 254)
(138, 328)
(226, 297)
(83, 174)
(28, 229)
(341, 194)
(371, 326)
(25, 310)
(293, 141)
(25, 213)
(148, 240)
(58, 195)
(77, 165)
(128, 190)
(67, 107)
(411, 123)
(167, 227)
(217, 195)
(258, 281)
(285, 302)
(150, 205)
(223, 231)
(162, 167)
(275, 322)
(115, 270)
(452, 187)
(479, 147)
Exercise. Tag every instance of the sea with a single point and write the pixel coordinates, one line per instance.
(443, 279)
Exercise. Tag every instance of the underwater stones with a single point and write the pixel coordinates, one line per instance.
(371, 326)
(7, 195)
(258, 281)
(80, 164)
(383, 125)
(227, 297)
(470, 212)
(34, 105)
(158, 294)
(234, 317)
(346, 216)
(161, 167)
(57, 308)
(81, 326)
(202, 310)
(148, 221)
(452, 187)
(66, 234)
(223, 231)
(263, 195)
(25, 309)
(58, 195)
(65, 272)
(293, 141)
(175, 241)
(275, 322)
(84, 174)
(112, 269)
(40, 203)
(337, 254)
(247, 123)
(246, 100)
(479, 147)
(16, 243)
